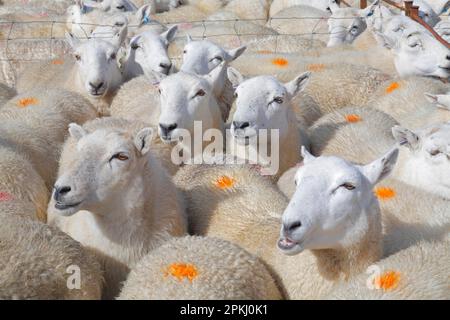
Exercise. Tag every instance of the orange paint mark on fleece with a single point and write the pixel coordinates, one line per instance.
(5, 196)
(25, 102)
(389, 280)
(224, 182)
(182, 271)
(280, 62)
(384, 193)
(392, 87)
(315, 67)
(352, 118)
(265, 52)
(57, 62)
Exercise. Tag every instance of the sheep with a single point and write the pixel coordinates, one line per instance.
(22, 190)
(201, 57)
(199, 268)
(257, 10)
(126, 217)
(38, 121)
(6, 93)
(54, 7)
(424, 157)
(38, 261)
(279, 5)
(328, 88)
(311, 21)
(404, 99)
(263, 103)
(410, 274)
(93, 72)
(197, 11)
(147, 53)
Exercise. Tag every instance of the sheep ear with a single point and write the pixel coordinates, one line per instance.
(380, 168)
(235, 53)
(120, 37)
(88, 3)
(367, 12)
(188, 38)
(306, 155)
(214, 76)
(405, 137)
(235, 77)
(143, 140)
(298, 84)
(385, 40)
(143, 14)
(122, 58)
(76, 131)
(169, 35)
(439, 100)
(73, 41)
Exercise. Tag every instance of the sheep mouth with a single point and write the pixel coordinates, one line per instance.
(65, 206)
(445, 68)
(289, 246)
(97, 94)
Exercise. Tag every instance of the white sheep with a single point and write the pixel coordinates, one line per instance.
(404, 99)
(38, 261)
(263, 103)
(94, 72)
(409, 274)
(6, 93)
(425, 158)
(126, 216)
(38, 120)
(147, 53)
(279, 5)
(201, 57)
(199, 268)
(256, 10)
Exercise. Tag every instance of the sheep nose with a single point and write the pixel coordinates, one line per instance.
(61, 192)
(289, 228)
(167, 128)
(96, 86)
(240, 125)
(447, 57)
(165, 65)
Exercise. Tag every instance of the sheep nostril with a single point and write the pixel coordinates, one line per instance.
(167, 128)
(241, 125)
(61, 191)
(165, 65)
(294, 226)
(96, 86)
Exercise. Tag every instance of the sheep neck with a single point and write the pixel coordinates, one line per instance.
(351, 260)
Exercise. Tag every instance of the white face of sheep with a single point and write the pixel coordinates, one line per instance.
(102, 170)
(346, 24)
(112, 28)
(262, 103)
(332, 203)
(418, 53)
(186, 98)
(393, 27)
(200, 57)
(429, 156)
(112, 6)
(148, 51)
(98, 70)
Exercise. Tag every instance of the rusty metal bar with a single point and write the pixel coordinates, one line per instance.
(394, 4)
(408, 5)
(363, 4)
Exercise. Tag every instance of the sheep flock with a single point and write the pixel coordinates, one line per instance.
(224, 149)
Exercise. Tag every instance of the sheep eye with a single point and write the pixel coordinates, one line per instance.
(120, 156)
(278, 100)
(77, 57)
(434, 153)
(159, 90)
(216, 58)
(120, 7)
(134, 46)
(200, 93)
(119, 24)
(185, 51)
(113, 56)
(235, 95)
(347, 186)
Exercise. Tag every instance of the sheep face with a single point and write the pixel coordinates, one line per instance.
(394, 27)
(112, 6)
(346, 24)
(428, 161)
(200, 57)
(98, 70)
(333, 205)
(149, 51)
(103, 169)
(186, 98)
(262, 103)
(418, 53)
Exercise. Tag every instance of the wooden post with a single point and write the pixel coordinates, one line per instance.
(414, 12)
(408, 5)
(363, 4)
